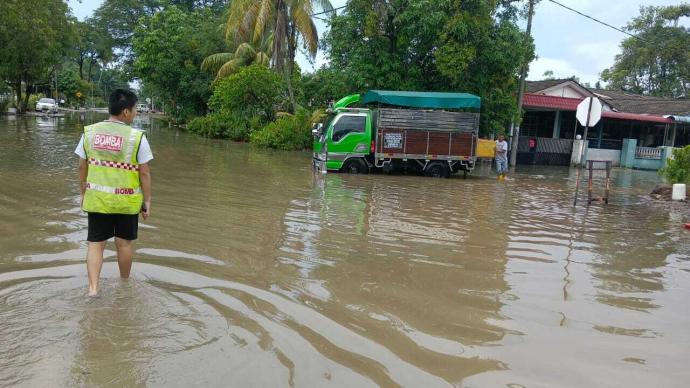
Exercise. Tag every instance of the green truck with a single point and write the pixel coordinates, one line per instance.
(428, 133)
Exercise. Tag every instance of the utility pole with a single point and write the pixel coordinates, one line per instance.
(521, 91)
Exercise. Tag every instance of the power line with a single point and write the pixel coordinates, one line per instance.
(596, 20)
(325, 12)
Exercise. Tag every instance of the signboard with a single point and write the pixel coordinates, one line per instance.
(589, 108)
(392, 140)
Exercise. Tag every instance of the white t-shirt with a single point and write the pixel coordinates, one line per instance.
(501, 148)
(144, 155)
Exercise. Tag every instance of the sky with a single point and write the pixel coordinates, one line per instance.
(566, 43)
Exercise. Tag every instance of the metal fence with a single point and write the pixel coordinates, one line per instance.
(648, 153)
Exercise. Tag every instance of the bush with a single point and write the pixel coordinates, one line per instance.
(677, 170)
(255, 92)
(289, 132)
(220, 126)
(33, 99)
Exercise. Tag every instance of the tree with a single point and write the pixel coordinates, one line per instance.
(482, 52)
(656, 62)
(250, 21)
(35, 36)
(225, 64)
(91, 45)
(169, 48)
(388, 44)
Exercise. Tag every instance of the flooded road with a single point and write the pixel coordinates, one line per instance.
(253, 272)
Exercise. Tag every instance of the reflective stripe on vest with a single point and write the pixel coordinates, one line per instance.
(112, 183)
(107, 163)
(113, 190)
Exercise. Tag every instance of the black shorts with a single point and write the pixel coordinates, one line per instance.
(105, 226)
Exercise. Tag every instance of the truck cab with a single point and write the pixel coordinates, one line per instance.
(343, 141)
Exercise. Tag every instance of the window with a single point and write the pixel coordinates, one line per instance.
(348, 124)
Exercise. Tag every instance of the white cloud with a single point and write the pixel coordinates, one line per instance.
(560, 68)
(599, 54)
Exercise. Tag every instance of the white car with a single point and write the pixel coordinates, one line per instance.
(142, 108)
(46, 104)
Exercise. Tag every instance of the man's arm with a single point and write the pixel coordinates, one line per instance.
(83, 172)
(145, 181)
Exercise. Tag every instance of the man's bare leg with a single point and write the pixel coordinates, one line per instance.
(125, 251)
(94, 262)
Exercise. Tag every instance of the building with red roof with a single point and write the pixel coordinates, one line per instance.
(550, 107)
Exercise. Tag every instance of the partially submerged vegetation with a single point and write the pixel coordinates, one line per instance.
(677, 169)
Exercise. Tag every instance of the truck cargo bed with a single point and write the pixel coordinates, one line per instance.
(413, 134)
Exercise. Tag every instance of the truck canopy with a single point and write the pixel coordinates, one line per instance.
(428, 100)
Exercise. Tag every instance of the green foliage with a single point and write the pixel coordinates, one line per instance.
(388, 45)
(658, 64)
(319, 87)
(33, 99)
(4, 104)
(677, 170)
(220, 126)
(253, 92)
(34, 35)
(288, 132)
(169, 48)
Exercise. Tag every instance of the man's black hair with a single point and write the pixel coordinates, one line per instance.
(121, 99)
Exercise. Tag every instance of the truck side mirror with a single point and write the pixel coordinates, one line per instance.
(316, 130)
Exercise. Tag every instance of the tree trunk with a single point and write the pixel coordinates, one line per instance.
(26, 95)
(81, 68)
(290, 68)
(18, 90)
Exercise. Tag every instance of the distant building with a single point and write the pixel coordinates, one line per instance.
(550, 107)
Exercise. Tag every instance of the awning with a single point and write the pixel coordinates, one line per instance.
(680, 119)
(635, 117)
(430, 100)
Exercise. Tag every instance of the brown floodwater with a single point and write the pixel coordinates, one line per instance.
(252, 271)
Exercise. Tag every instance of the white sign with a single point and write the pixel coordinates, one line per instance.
(392, 140)
(583, 109)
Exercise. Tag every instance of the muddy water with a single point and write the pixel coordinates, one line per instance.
(253, 272)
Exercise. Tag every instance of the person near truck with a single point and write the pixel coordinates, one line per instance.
(115, 184)
(501, 157)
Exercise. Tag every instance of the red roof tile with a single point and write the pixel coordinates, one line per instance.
(550, 102)
(570, 104)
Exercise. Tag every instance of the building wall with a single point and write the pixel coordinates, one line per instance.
(563, 90)
(601, 154)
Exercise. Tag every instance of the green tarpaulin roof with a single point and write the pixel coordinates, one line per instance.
(431, 100)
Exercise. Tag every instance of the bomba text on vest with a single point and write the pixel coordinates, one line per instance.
(105, 142)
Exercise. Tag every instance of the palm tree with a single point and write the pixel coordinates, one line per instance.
(285, 20)
(225, 64)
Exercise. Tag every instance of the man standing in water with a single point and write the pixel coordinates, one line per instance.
(501, 157)
(115, 183)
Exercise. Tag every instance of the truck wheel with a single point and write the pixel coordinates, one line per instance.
(436, 170)
(355, 166)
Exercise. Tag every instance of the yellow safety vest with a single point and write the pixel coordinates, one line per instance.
(112, 183)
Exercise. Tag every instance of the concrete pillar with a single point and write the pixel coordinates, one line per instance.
(673, 135)
(628, 153)
(666, 154)
(557, 125)
(578, 146)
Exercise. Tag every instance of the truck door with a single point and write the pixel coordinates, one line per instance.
(349, 136)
